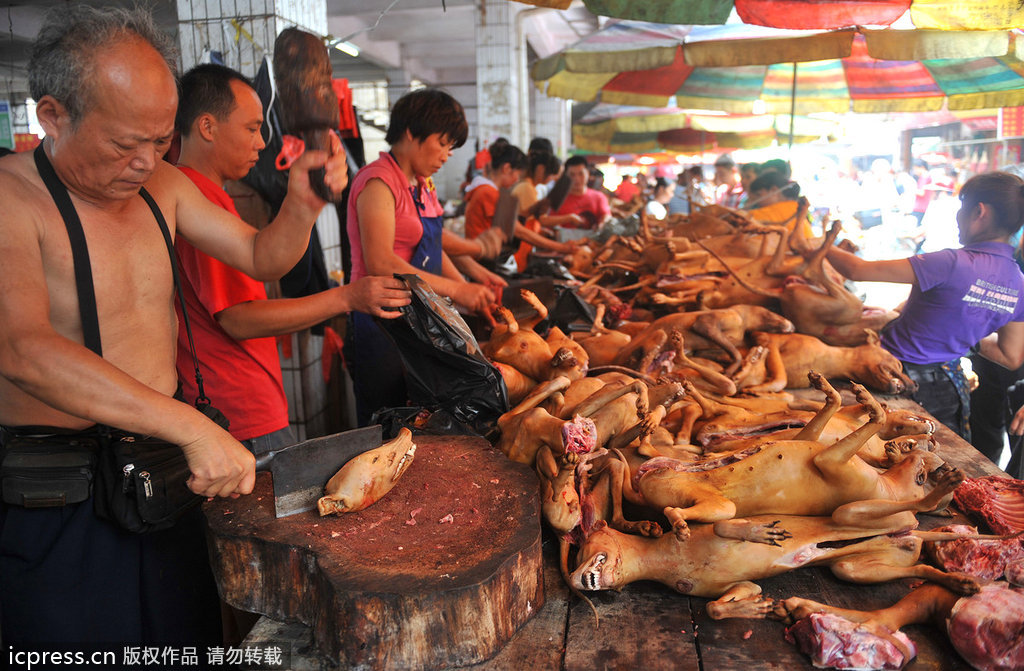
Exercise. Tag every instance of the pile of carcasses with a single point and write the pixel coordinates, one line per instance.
(676, 403)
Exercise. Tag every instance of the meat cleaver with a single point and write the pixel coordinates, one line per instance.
(301, 470)
(559, 190)
(506, 214)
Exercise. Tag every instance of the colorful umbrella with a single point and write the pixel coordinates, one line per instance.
(871, 78)
(813, 14)
(623, 129)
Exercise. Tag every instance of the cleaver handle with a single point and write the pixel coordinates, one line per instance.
(263, 461)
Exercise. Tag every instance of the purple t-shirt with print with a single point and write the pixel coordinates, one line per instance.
(960, 296)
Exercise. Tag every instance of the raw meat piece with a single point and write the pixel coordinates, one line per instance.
(987, 629)
(996, 500)
(832, 641)
(1015, 573)
(984, 559)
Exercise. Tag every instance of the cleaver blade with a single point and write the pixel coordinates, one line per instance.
(301, 470)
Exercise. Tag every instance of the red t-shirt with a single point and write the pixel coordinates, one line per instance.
(626, 190)
(241, 377)
(591, 201)
(480, 210)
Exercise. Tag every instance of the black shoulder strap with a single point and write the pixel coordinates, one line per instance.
(79, 251)
(83, 267)
(201, 399)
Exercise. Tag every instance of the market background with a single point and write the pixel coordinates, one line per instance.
(487, 53)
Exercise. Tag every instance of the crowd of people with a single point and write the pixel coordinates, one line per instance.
(108, 98)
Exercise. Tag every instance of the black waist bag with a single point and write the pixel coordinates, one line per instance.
(45, 471)
(140, 484)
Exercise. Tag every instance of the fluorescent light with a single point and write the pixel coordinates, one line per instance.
(347, 48)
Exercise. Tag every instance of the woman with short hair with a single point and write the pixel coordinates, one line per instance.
(395, 226)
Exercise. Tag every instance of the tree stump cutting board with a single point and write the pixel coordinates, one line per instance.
(440, 572)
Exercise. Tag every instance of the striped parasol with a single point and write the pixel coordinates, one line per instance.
(814, 14)
(877, 71)
(623, 129)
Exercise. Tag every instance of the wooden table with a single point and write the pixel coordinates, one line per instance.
(648, 626)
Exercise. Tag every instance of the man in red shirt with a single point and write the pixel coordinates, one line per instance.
(219, 117)
(583, 207)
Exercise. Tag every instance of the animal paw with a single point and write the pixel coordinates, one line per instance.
(897, 448)
(819, 382)
(646, 528)
(569, 460)
(678, 522)
(961, 583)
(769, 534)
(789, 611)
(749, 607)
(647, 425)
(682, 531)
(947, 478)
(876, 412)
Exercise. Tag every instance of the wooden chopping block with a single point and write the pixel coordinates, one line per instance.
(440, 572)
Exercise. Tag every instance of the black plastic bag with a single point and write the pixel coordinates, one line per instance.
(421, 422)
(444, 367)
(571, 313)
(545, 266)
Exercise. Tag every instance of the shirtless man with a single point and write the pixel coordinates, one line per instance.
(106, 97)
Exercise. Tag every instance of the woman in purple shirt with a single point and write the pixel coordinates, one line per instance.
(959, 297)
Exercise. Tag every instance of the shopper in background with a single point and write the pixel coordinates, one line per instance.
(924, 191)
(728, 190)
(394, 225)
(583, 207)
(537, 173)
(505, 170)
(662, 195)
(748, 173)
(959, 297)
(628, 188)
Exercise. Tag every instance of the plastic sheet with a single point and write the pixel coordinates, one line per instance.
(444, 367)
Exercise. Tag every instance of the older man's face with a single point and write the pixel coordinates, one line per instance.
(126, 127)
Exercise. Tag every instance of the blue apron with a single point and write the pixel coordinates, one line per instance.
(378, 378)
(428, 252)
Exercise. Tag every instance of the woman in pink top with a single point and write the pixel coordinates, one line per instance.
(394, 226)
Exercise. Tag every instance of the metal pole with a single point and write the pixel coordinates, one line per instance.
(792, 110)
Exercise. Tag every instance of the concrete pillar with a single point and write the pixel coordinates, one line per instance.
(551, 120)
(497, 72)
(399, 83)
(242, 31)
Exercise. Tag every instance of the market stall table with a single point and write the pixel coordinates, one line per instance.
(444, 569)
(648, 626)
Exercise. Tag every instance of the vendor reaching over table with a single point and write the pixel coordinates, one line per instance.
(506, 170)
(394, 225)
(959, 296)
(583, 207)
(219, 118)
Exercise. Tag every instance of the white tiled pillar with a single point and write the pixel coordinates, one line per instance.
(551, 120)
(243, 31)
(497, 72)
